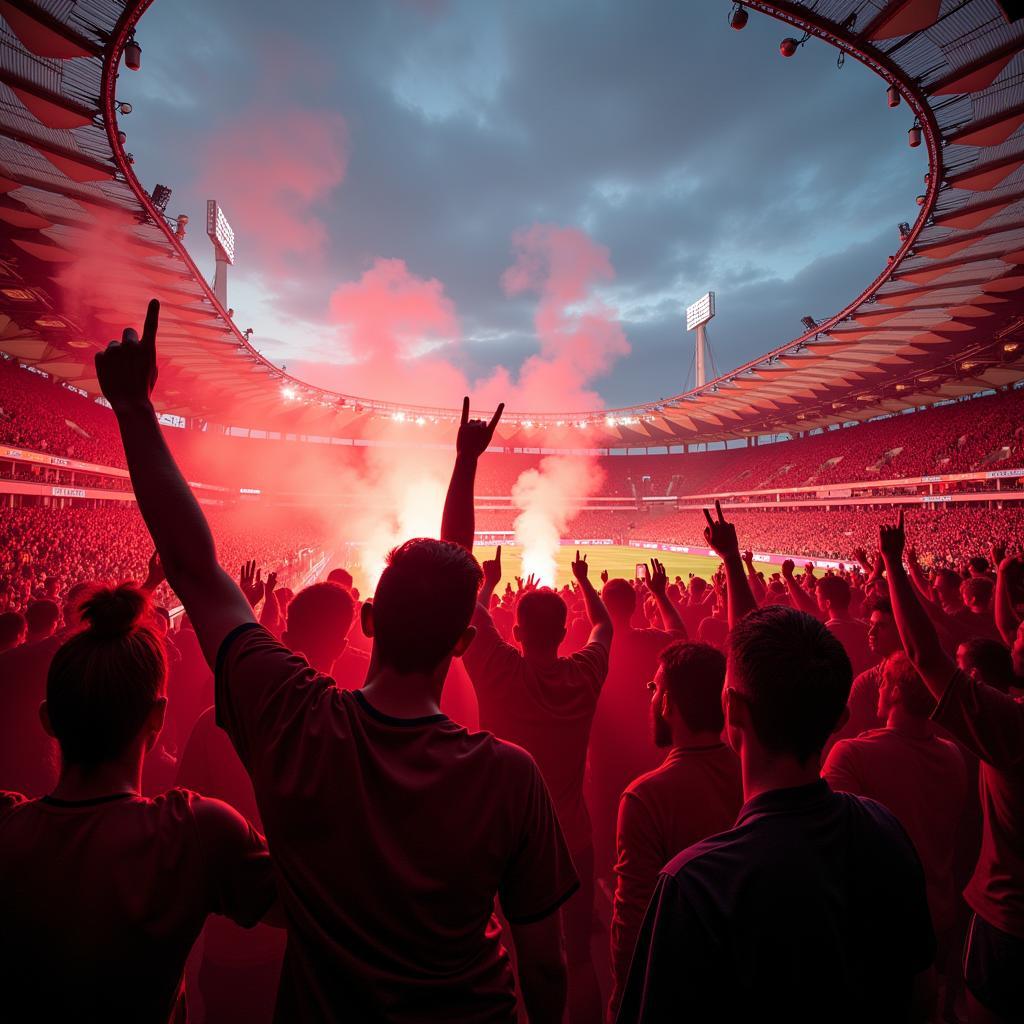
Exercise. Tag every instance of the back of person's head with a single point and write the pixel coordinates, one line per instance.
(42, 617)
(13, 630)
(694, 676)
(987, 661)
(320, 617)
(423, 604)
(878, 603)
(540, 619)
(794, 676)
(977, 592)
(619, 598)
(104, 681)
(698, 585)
(74, 598)
(834, 594)
(978, 564)
(948, 583)
(906, 688)
(340, 576)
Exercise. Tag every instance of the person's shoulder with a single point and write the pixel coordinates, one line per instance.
(212, 817)
(871, 818)
(644, 784)
(705, 861)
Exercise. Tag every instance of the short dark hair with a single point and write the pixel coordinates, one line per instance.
(42, 616)
(317, 608)
(878, 603)
(12, 627)
(541, 615)
(694, 675)
(835, 590)
(103, 681)
(915, 697)
(424, 602)
(979, 589)
(992, 660)
(979, 563)
(795, 675)
(619, 598)
(342, 576)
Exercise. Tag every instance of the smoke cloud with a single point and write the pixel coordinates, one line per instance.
(549, 497)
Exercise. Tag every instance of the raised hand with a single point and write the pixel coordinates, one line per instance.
(721, 535)
(492, 570)
(474, 436)
(748, 558)
(126, 369)
(250, 582)
(580, 567)
(892, 540)
(657, 578)
(997, 552)
(270, 585)
(788, 568)
(604, 575)
(155, 575)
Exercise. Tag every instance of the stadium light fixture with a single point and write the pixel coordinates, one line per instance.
(132, 54)
(914, 136)
(161, 196)
(892, 95)
(809, 322)
(904, 229)
(738, 17)
(527, 424)
(289, 394)
(788, 46)
(122, 138)
(124, 108)
(1011, 346)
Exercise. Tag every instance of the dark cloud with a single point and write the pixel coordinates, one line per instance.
(698, 156)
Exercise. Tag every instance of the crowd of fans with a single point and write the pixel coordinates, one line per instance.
(784, 796)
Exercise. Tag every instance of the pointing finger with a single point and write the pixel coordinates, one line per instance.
(152, 322)
(465, 410)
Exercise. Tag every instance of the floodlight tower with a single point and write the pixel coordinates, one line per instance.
(223, 238)
(697, 317)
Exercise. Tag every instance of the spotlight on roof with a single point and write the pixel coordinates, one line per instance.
(789, 46)
(161, 196)
(920, 200)
(179, 231)
(132, 54)
(892, 95)
(122, 138)
(289, 394)
(124, 108)
(904, 230)
(809, 322)
(914, 136)
(738, 17)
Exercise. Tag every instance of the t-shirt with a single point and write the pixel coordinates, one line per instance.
(103, 899)
(811, 908)
(391, 838)
(547, 709)
(694, 794)
(923, 781)
(991, 725)
(621, 747)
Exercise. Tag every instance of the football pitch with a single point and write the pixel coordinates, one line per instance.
(618, 560)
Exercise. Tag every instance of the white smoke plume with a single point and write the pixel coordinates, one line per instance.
(549, 497)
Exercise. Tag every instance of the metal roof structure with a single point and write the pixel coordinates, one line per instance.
(82, 246)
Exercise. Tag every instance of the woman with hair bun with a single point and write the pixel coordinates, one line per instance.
(102, 891)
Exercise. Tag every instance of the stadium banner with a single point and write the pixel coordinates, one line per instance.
(68, 492)
(566, 542)
(771, 558)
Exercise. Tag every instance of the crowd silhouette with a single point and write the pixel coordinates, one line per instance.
(786, 795)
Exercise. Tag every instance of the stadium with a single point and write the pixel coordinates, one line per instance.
(906, 401)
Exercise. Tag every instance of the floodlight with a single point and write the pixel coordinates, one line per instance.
(788, 46)
(892, 94)
(738, 17)
(809, 322)
(132, 54)
(124, 108)
(914, 136)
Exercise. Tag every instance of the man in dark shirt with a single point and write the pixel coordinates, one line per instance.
(813, 906)
(990, 724)
(392, 828)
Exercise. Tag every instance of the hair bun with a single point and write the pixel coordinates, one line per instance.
(114, 611)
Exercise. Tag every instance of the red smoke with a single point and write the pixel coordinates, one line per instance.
(270, 169)
(400, 331)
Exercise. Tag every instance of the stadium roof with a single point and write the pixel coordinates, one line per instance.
(82, 246)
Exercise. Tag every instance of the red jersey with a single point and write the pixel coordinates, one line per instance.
(392, 837)
(548, 710)
(104, 898)
(923, 781)
(990, 724)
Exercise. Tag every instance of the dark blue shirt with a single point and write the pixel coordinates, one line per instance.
(812, 907)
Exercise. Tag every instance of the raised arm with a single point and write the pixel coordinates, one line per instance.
(127, 373)
(658, 582)
(757, 587)
(722, 537)
(492, 577)
(917, 632)
(1009, 577)
(458, 523)
(600, 621)
(800, 598)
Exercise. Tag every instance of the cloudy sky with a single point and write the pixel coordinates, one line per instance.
(424, 191)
